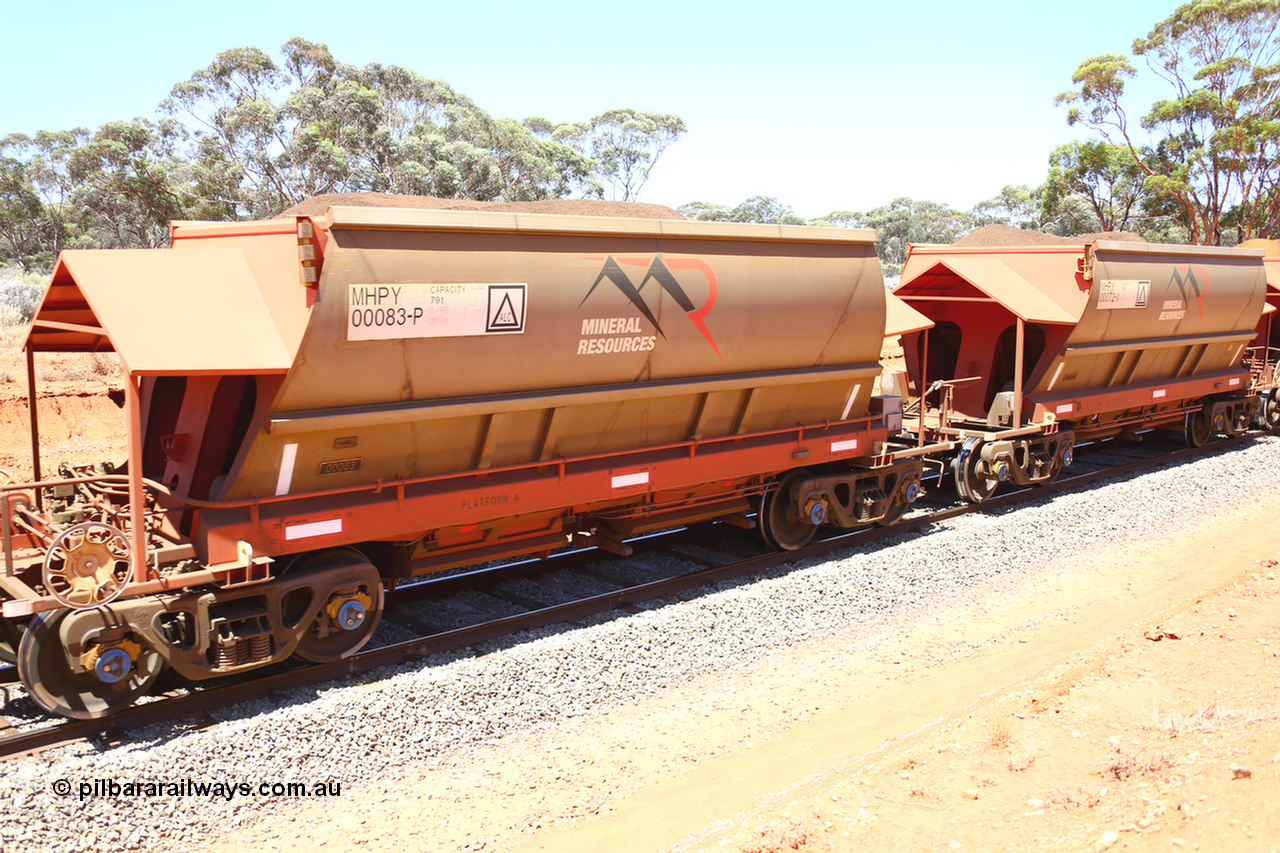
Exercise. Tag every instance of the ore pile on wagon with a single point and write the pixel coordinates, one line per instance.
(341, 400)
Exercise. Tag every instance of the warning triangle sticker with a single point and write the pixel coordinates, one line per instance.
(505, 317)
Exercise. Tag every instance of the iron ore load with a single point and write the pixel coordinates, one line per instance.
(344, 400)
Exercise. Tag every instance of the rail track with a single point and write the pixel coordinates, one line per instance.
(193, 706)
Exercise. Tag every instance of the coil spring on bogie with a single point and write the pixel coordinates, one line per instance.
(239, 652)
(228, 654)
(260, 647)
(866, 501)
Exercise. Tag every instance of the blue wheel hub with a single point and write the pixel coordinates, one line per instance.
(113, 665)
(351, 615)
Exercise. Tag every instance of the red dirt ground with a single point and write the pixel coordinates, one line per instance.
(78, 422)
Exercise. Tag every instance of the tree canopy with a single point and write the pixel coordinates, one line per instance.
(625, 144)
(757, 208)
(904, 221)
(1102, 175)
(1214, 150)
(270, 136)
(249, 135)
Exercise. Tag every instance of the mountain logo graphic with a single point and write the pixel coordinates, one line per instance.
(660, 271)
(1189, 282)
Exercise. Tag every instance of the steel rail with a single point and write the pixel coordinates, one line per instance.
(202, 700)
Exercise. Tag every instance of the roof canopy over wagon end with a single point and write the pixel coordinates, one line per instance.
(198, 311)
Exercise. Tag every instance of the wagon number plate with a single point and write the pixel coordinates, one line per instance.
(1117, 293)
(340, 466)
(379, 312)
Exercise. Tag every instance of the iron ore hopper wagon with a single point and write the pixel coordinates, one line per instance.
(1034, 348)
(317, 407)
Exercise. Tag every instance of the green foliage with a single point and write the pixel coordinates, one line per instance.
(20, 293)
(1099, 175)
(249, 135)
(904, 221)
(130, 182)
(385, 128)
(1018, 206)
(38, 216)
(23, 225)
(268, 137)
(1069, 217)
(626, 144)
(1215, 154)
(757, 208)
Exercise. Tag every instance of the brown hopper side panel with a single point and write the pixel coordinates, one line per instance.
(1198, 315)
(752, 335)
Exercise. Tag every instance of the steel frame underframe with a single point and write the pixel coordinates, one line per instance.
(406, 509)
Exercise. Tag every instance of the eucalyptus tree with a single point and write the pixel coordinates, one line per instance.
(23, 226)
(38, 214)
(248, 135)
(625, 144)
(757, 208)
(904, 221)
(130, 180)
(1015, 205)
(270, 135)
(1215, 139)
(1102, 175)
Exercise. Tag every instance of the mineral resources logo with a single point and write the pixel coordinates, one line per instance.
(1194, 281)
(626, 334)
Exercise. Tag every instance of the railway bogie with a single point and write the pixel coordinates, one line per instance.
(89, 662)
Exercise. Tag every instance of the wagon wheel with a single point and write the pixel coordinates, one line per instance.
(780, 527)
(347, 617)
(1197, 429)
(87, 565)
(1269, 413)
(903, 497)
(1065, 456)
(119, 676)
(971, 485)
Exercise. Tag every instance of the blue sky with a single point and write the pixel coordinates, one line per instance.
(825, 105)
